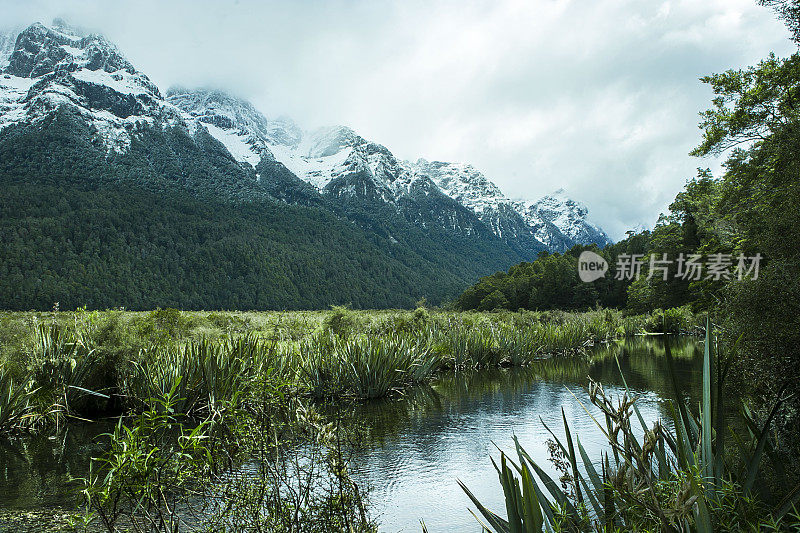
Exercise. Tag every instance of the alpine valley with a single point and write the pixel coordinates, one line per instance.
(116, 194)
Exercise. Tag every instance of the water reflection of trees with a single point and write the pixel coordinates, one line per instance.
(642, 361)
(35, 470)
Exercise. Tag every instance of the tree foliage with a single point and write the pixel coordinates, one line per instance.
(753, 208)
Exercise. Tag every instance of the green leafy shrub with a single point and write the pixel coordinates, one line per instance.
(341, 321)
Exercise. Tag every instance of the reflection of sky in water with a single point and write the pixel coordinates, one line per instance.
(413, 472)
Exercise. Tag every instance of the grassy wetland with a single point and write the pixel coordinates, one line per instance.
(184, 396)
(240, 421)
(60, 367)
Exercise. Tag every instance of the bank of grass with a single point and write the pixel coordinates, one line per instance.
(62, 366)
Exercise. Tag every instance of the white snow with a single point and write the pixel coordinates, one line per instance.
(318, 171)
(464, 184)
(236, 144)
(120, 81)
(12, 91)
(15, 85)
(71, 50)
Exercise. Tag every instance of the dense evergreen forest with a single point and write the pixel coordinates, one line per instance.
(176, 222)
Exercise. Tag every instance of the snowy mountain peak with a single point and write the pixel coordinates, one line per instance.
(556, 221)
(56, 66)
(319, 157)
(218, 108)
(41, 50)
(568, 215)
(326, 142)
(461, 182)
(236, 123)
(284, 131)
(45, 68)
(556, 204)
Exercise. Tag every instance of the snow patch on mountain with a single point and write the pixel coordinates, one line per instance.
(244, 131)
(236, 144)
(318, 171)
(120, 81)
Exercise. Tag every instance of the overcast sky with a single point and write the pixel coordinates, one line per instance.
(599, 97)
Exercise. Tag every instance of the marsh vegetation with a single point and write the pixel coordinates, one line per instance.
(238, 421)
(195, 396)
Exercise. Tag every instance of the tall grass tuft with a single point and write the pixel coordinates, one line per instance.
(632, 325)
(16, 406)
(202, 374)
(62, 368)
(321, 373)
(561, 339)
(473, 347)
(375, 365)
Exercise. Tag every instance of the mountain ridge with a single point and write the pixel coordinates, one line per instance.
(68, 65)
(75, 114)
(322, 155)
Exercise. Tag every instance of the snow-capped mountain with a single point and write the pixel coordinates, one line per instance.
(329, 158)
(320, 157)
(567, 215)
(45, 68)
(53, 67)
(335, 163)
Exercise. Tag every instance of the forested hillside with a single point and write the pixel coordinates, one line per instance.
(175, 222)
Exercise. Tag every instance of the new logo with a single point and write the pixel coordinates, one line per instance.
(591, 266)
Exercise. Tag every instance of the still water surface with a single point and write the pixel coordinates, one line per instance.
(420, 444)
(423, 444)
